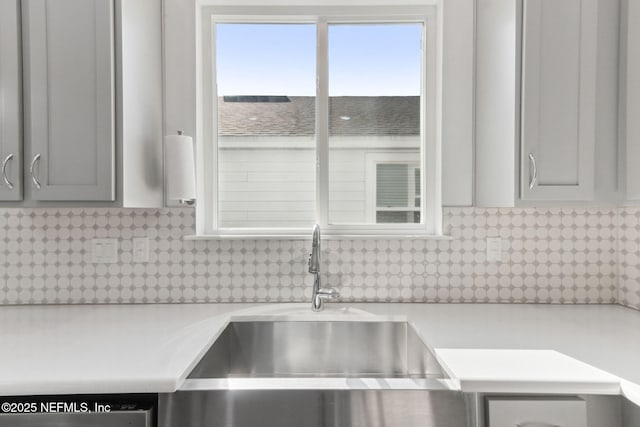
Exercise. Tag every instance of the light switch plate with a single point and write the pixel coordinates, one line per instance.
(141, 249)
(104, 251)
(494, 249)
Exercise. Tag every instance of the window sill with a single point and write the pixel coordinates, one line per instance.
(325, 236)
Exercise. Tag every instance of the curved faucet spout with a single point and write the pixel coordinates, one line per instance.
(319, 294)
(314, 258)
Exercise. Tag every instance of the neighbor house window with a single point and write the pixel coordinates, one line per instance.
(319, 119)
(394, 193)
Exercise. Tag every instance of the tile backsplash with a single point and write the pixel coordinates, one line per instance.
(548, 256)
(629, 257)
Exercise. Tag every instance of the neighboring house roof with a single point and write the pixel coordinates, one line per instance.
(295, 115)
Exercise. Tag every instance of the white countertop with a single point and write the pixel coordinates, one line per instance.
(525, 371)
(486, 347)
(102, 349)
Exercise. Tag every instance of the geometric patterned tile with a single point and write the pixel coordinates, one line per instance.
(562, 256)
(629, 257)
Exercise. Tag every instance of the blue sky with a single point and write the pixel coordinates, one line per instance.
(280, 59)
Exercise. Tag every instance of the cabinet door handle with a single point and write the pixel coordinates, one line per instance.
(35, 160)
(536, 424)
(534, 176)
(8, 183)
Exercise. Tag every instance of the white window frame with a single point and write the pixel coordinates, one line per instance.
(431, 105)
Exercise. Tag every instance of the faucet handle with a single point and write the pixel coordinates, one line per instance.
(329, 293)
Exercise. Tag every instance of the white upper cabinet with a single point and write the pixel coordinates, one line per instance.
(10, 102)
(558, 127)
(631, 100)
(69, 99)
(89, 75)
(546, 102)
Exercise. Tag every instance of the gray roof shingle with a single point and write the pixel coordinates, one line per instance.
(375, 115)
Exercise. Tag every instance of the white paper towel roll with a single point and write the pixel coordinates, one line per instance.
(180, 168)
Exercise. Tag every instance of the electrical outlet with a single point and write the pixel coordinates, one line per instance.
(494, 249)
(104, 251)
(141, 249)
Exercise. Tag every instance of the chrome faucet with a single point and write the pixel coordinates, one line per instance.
(319, 294)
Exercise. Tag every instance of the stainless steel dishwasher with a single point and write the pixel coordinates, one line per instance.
(79, 411)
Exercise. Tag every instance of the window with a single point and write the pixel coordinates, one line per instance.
(398, 193)
(394, 193)
(318, 119)
(266, 137)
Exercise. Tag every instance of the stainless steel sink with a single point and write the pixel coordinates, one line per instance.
(318, 349)
(316, 374)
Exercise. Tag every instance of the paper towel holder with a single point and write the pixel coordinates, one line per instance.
(182, 165)
(188, 202)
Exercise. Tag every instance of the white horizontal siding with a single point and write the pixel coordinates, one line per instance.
(340, 195)
(273, 206)
(346, 168)
(346, 217)
(271, 181)
(282, 195)
(233, 176)
(267, 162)
(338, 178)
(308, 176)
(265, 186)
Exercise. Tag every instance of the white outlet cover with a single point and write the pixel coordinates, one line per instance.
(141, 249)
(104, 251)
(494, 249)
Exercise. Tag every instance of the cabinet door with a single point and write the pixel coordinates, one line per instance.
(69, 99)
(10, 105)
(632, 94)
(559, 49)
(505, 412)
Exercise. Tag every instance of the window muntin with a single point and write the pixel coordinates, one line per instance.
(208, 218)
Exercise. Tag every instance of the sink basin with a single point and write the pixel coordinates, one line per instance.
(372, 349)
(322, 373)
